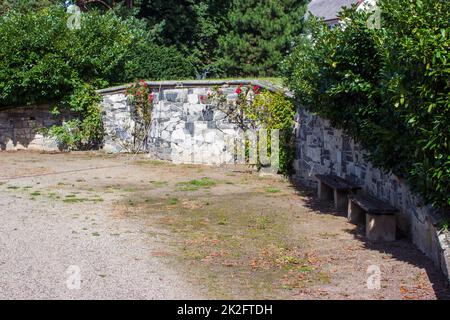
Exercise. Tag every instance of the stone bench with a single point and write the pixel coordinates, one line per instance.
(379, 216)
(332, 187)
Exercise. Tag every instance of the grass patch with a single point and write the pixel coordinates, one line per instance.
(236, 237)
(152, 162)
(13, 187)
(159, 184)
(194, 185)
(74, 199)
(272, 190)
(35, 193)
(172, 201)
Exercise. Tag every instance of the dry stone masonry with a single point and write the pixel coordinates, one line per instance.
(185, 128)
(20, 128)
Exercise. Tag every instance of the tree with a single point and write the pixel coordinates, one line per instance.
(260, 34)
(193, 26)
(24, 5)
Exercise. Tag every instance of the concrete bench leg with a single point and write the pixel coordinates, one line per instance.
(325, 192)
(340, 200)
(354, 214)
(380, 228)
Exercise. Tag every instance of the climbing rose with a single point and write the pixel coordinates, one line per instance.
(238, 90)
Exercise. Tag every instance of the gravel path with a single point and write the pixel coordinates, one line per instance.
(140, 229)
(44, 243)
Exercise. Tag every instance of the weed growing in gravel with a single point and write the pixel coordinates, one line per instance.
(159, 184)
(172, 201)
(71, 198)
(194, 185)
(272, 190)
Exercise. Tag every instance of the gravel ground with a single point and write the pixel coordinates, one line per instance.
(40, 239)
(122, 224)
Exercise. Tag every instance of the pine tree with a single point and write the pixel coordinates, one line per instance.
(260, 33)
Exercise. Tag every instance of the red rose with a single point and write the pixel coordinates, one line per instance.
(256, 89)
(238, 91)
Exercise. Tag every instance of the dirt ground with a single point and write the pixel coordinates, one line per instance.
(140, 228)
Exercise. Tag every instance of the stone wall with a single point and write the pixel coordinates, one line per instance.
(324, 149)
(19, 128)
(185, 128)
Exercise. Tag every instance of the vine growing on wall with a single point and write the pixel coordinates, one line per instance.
(141, 99)
(256, 109)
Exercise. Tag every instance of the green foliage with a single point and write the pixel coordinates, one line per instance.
(276, 111)
(42, 60)
(85, 130)
(192, 26)
(255, 110)
(150, 61)
(388, 88)
(25, 5)
(259, 34)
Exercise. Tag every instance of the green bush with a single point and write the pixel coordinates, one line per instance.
(258, 35)
(85, 130)
(42, 60)
(388, 88)
(150, 61)
(275, 111)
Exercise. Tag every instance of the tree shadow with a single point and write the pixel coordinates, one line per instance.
(402, 249)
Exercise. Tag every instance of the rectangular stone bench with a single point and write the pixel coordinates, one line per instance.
(379, 216)
(332, 187)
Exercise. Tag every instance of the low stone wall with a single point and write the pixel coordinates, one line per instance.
(185, 129)
(324, 149)
(19, 128)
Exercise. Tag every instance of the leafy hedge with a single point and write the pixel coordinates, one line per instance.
(42, 59)
(389, 88)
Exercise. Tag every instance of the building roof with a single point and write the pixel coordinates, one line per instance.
(329, 9)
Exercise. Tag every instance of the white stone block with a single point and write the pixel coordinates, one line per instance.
(193, 98)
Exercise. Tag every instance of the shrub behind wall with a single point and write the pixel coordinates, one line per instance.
(41, 59)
